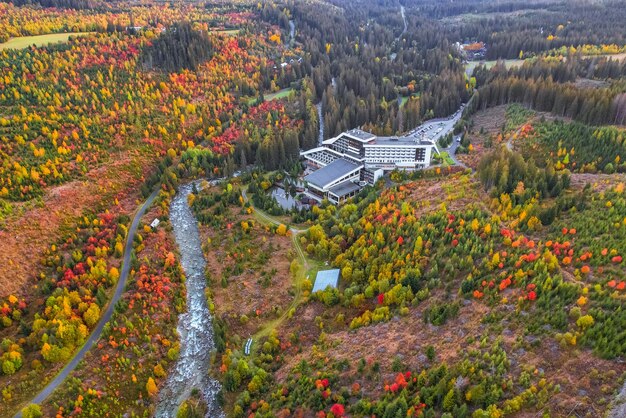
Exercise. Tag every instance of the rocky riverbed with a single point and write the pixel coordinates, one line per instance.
(195, 326)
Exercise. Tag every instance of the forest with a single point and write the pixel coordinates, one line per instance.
(551, 86)
(180, 48)
(514, 28)
(496, 281)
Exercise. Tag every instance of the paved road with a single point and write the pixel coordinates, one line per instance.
(402, 12)
(97, 332)
(292, 33)
(435, 129)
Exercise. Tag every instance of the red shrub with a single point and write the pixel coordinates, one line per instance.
(337, 410)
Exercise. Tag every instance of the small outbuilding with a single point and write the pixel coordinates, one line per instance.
(326, 278)
(155, 223)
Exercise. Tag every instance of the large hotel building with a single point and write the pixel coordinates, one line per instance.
(349, 161)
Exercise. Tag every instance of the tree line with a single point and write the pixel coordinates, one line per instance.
(61, 4)
(551, 87)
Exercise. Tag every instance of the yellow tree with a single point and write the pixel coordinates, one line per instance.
(151, 387)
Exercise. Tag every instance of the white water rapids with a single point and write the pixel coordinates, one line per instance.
(195, 326)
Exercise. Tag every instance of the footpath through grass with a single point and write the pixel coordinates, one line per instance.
(307, 269)
(298, 281)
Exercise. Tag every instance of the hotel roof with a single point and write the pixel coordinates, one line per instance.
(359, 134)
(393, 140)
(344, 188)
(330, 173)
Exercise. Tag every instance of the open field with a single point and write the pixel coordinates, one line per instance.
(484, 135)
(39, 40)
(280, 94)
(254, 271)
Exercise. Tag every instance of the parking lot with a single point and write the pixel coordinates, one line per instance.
(435, 129)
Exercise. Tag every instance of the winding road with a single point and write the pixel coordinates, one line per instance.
(97, 332)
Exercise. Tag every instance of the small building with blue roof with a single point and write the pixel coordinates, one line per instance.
(326, 278)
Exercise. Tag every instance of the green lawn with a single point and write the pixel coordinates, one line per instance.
(39, 40)
(279, 94)
(446, 158)
(404, 99)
